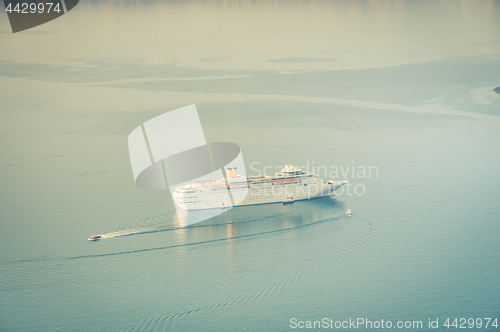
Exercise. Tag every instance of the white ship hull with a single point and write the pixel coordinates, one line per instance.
(257, 196)
(240, 191)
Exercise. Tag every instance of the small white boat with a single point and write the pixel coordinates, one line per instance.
(222, 206)
(349, 213)
(95, 238)
(289, 200)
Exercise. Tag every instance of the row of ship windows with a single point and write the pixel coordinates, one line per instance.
(224, 196)
(223, 189)
(267, 191)
(227, 201)
(268, 194)
(243, 186)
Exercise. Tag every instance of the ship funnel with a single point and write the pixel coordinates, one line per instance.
(229, 173)
(235, 172)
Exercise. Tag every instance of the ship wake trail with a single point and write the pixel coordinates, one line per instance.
(165, 222)
(159, 222)
(359, 232)
(208, 241)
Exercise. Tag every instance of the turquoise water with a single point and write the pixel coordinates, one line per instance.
(401, 86)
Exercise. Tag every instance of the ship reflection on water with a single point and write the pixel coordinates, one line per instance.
(187, 218)
(231, 231)
(248, 221)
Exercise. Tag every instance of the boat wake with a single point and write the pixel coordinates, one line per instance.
(167, 222)
(158, 223)
(204, 242)
(360, 232)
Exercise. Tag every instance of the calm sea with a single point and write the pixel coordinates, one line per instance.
(403, 87)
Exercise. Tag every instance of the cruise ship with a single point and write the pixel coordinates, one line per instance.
(291, 184)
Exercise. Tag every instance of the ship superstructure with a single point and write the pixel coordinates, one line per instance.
(237, 190)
